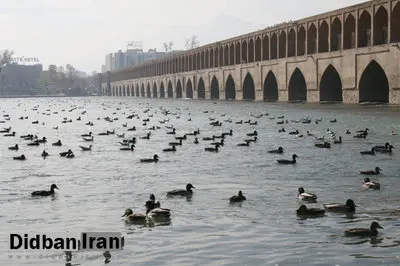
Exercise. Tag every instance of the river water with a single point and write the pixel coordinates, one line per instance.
(96, 187)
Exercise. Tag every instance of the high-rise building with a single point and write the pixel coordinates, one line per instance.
(109, 60)
(119, 59)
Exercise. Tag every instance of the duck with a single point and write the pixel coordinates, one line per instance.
(132, 128)
(45, 193)
(371, 231)
(127, 148)
(371, 172)
(246, 144)
(181, 138)
(303, 211)
(10, 135)
(147, 136)
(65, 153)
(252, 140)
(70, 155)
(45, 154)
(87, 135)
(325, 145)
(210, 149)
(348, 132)
(293, 161)
(294, 132)
(278, 151)
(14, 148)
(88, 139)
(221, 143)
(282, 130)
(154, 160)
(239, 122)
(255, 133)
(121, 135)
(86, 148)
(338, 141)
(371, 152)
(237, 198)
(172, 132)
(35, 143)
(379, 148)
(182, 192)
(175, 143)
(43, 140)
(306, 196)
(173, 149)
(208, 138)
(134, 218)
(196, 141)
(348, 207)
(388, 150)
(58, 143)
(20, 158)
(230, 133)
(156, 213)
(367, 183)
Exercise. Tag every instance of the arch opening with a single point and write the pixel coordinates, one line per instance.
(297, 87)
(364, 29)
(330, 87)
(266, 48)
(251, 51)
(312, 39)
(323, 43)
(244, 52)
(349, 38)
(249, 92)
(148, 91)
(258, 50)
(336, 35)
(201, 90)
(232, 54)
(214, 89)
(270, 87)
(170, 92)
(137, 90)
(381, 26)
(142, 93)
(395, 24)
(226, 56)
(155, 90)
(282, 45)
(274, 46)
(374, 85)
(230, 90)
(301, 41)
(162, 90)
(179, 89)
(189, 90)
(237, 53)
(291, 43)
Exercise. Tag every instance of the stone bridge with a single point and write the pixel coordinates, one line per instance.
(351, 55)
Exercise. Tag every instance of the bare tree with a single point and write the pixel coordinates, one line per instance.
(192, 42)
(70, 72)
(168, 46)
(6, 58)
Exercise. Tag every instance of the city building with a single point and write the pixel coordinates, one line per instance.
(109, 62)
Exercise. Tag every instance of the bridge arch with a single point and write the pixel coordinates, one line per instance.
(251, 51)
(148, 91)
(249, 92)
(201, 90)
(282, 44)
(323, 40)
(291, 43)
(237, 53)
(312, 39)
(155, 90)
(265, 47)
(395, 23)
(189, 89)
(349, 32)
(244, 57)
(120, 91)
(214, 89)
(137, 94)
(179, 89)
(274, 46)
(258, 50)
(301, 41)
(381, 26)
(232, 54)
(226, 55)
(374, 85)
(364, 29)
(336, 35)
(132, 90)
(142, 93)
(270, 87)
(330, 87)
(297, 86)
(230, 90)
(162, 90)
(170, 92)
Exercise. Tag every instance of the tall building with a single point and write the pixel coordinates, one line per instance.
(103, 68)
(109, 59)
(119, 59)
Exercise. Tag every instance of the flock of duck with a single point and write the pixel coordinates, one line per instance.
(154, 213)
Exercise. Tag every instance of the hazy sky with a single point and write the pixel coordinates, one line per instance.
(82, 32)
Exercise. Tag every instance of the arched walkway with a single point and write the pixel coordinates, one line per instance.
(148, 91)
(142, 90)
(189, 90)
(214, 89)
(330, 87)
(155, 90)
(297, 86)
(230, 90)
(374, 86)
(249, 92)
(162, 90)
(170, 92)
(270, 87)
(201, 90)
(179, 89)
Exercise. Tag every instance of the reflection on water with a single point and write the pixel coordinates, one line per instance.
(97, 186)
